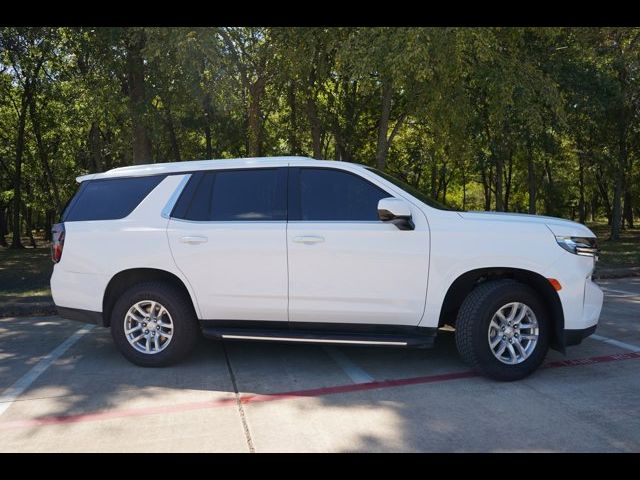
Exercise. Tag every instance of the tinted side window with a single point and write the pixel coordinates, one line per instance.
(199, 207)
(109, 199)
(236, 195)
(248, 195)
(327, 194)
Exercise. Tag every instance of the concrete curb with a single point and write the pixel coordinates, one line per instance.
(27, 309)
(617, 272)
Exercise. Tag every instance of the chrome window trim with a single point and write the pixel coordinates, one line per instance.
(225, 222)
(235, 222)
(166, 211)
(373, 222)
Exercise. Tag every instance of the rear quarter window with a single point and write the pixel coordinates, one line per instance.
(109, 199)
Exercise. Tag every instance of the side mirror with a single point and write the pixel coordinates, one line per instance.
(396, 211)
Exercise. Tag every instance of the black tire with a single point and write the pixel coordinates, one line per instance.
(186, 330)
(472, 328)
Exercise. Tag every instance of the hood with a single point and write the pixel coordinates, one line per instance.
(558, 226)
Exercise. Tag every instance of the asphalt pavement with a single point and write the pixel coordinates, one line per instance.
(65, 388)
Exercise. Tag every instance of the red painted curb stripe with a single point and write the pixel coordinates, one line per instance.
(592, 360)
(317, 392)
(314, 392)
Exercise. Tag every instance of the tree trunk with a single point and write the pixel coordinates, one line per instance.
(604, 194)
(95, 147)
(507, 183)
(464, 189)
(550, 205)
(16, 242)
(311, 108)
(208, 117)
(29, 224)
(582, 212)
(499, 168)
(444, 182)
(326, 143)
(137, 100)
(434, 178)
(173, 139)
(628, 209)
(342, 150)
(383, 124)
(294, 143)
(346, 135)
(254, 131)
(3, 226)
(316, 128)
(49, 220)
(486, 186)
(616, 216)
(207, 139)
(531, 180)
(50, 184)
(38, 221)
(618, 187)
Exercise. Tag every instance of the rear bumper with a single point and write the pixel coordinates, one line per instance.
(575, 337)
(76, 290)
(85, 316)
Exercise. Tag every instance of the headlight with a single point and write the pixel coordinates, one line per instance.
(584, 246)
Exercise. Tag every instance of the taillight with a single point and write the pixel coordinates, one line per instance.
(57, 241)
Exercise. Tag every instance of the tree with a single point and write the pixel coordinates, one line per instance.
(25, 51)
(538, 120)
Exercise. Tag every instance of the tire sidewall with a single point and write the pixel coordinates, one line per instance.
(183, 334)
(493, 366)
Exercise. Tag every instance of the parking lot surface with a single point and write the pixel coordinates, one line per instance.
(64, 387)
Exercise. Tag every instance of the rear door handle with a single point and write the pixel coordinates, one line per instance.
(308, 239)
(193, 240)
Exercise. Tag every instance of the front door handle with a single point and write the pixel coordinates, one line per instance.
(308, 239)
(193, 240)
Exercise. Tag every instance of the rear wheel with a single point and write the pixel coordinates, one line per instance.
(502, 330)
(153, 324)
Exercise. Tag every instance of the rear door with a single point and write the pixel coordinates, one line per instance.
(227, 234)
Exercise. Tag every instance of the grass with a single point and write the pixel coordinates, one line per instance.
(25, 274)
(622, 253)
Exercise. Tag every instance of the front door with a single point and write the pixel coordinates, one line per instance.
(345, 265)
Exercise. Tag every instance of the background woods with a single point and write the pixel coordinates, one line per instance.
(538, 120)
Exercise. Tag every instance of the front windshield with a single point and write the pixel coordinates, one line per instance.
(412, 190)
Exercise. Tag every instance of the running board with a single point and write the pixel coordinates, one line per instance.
(324, 337)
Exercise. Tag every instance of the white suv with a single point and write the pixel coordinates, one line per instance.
(302, 250)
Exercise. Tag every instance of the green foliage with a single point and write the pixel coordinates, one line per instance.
(520, 119)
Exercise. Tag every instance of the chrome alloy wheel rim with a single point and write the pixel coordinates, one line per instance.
(148, 327)
(513, 333)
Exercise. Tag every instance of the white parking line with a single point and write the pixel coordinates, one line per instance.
(353, 371)
(14, 391)
(617, 343)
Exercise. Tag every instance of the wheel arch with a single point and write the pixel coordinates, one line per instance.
(124, 279)
(466, 282)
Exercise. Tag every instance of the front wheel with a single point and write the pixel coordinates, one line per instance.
(502, 330)
(153, 325)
